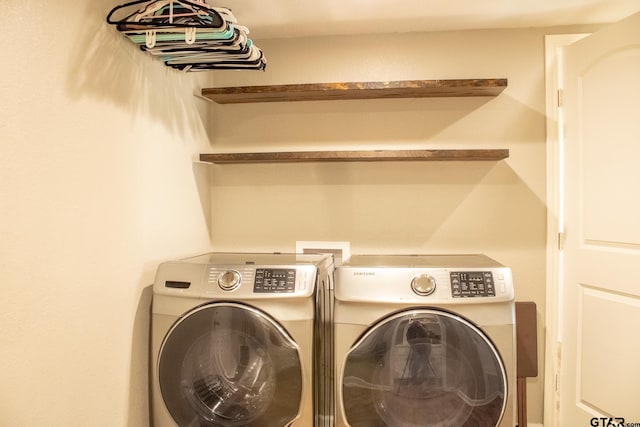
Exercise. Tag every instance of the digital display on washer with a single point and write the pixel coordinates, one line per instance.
(467, 284)
(275, 280)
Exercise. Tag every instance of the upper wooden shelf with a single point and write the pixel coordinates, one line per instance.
(358, 156)
(356, 90)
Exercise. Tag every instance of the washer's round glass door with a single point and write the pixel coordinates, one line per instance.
(424, 368)
(230, 365)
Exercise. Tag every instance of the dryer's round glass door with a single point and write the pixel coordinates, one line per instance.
(424, 368)
(230, 365)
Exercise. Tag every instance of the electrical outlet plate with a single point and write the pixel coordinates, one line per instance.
(341, 250)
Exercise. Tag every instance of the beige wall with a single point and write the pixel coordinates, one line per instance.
(97, 185)
(497, 208)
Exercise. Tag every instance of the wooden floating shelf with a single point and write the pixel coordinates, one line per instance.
(356, 90)
(357, 156)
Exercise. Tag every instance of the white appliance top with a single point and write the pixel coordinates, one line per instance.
(424, 279)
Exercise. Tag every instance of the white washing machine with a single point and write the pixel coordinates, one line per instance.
(236, 340)
(424, 341)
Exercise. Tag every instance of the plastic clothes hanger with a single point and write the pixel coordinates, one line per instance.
(250, 55)
(236, 41)
(172, 20)
(238, 44)
(184, 34)
(163, 13)
(257, 64)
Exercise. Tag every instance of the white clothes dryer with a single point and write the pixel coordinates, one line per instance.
(424, 341)
(235, 340)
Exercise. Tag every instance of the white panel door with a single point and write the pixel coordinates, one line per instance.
(600, 373)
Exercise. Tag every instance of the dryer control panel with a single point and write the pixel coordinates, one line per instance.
(468, 284)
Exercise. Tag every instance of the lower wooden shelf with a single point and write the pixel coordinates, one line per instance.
(358, 156)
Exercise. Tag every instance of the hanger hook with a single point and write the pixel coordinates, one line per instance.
(150, 39)
(190, 35)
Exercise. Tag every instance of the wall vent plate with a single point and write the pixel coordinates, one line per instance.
(341, 250)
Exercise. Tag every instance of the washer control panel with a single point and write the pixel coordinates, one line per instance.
(257, 281)
(274, 280)
(469, 284)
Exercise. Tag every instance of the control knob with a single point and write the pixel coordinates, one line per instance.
(423, 285)
(229, 280)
